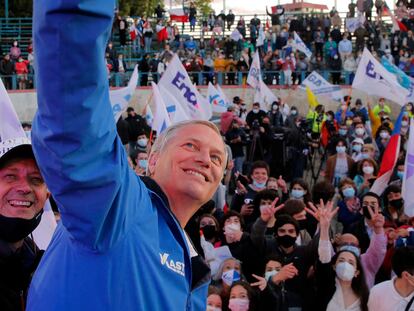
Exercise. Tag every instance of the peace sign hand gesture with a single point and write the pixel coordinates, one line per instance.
(268, 212)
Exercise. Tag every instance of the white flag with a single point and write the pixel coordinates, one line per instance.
(216, 99)
(408, 180)
(236, 35)
(174, 109)
(10, 127)
(374, 79)
(255, 75)
(261, 37)
(161, 117)
(149, 116)
(264, 96)
(42, 235)
(319, 86)
(354, 23)
(177, 82)
(300, 45)
(120, 98)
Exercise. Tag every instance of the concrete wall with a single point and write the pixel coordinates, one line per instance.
(25, 102)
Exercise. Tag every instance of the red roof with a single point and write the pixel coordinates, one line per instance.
(304, 5)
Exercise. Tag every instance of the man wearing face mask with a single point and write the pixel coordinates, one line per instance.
(140, 145)
(255, 114)
(364, 229)
(394, 205)
(283, 244)
(396, 294)
(275, 116)
(23, 195)
(137, 125)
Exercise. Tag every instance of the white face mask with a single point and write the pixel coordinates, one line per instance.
(239, 304)
(232, 227)
(230, 276)
(360, 131)
(345, 271)
(211, 308)
(384, 135)
(270, 274)
(404, 123)
(368, 170)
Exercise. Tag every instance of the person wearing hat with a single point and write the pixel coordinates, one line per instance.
(137, 125)
(23, 194)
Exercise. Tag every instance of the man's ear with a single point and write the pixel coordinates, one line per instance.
(152, 161)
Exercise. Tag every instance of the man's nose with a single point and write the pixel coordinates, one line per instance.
(23, 186)
(203, 157)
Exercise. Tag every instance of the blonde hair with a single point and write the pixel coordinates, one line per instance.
(163, 139)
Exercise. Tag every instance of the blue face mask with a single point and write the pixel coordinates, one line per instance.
(342, 132)
(259, 185)
(143, 163)
(340, 149)
(364, 155)
(348, 193)
(357, 148)
(400, 175)
(297, 194)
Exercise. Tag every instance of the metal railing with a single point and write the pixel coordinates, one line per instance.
(201, 78)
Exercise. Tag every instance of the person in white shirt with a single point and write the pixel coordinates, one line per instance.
(396, 294)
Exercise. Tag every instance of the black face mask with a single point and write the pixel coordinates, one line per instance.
(209, 232)
(397, 204)
(303, 224)
(365, 212)
(286, 241)
(16, 229)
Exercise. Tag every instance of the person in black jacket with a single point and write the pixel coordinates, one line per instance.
(7, 70)
(230, 19)
(283, 245)
(136, 126)
(122, 127)
(23, 194)
(275, 17)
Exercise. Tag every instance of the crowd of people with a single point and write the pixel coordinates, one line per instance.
(336, 49)
(262, 233)
(264, 238)
(14, 64)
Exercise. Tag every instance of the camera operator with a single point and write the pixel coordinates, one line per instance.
(255, 114)
(260, 139)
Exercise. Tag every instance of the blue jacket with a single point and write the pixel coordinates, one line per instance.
(118, 246)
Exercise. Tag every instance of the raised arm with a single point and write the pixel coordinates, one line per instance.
(74, 133)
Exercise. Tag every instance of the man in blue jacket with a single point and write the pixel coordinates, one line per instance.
(120, 244)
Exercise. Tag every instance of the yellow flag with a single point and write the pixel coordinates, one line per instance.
(313, 102)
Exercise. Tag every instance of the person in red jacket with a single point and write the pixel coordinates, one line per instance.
(21, 70)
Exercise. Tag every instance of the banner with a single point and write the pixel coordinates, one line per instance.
(174, 109)
(121, 97)
(255, 74)
(402, 78)
(10, 126)
(319, 86)
(236, 35)
(178, 15)
(161, 117)
(312, 101)
(408, 180)
(264, 96)
(177, 82)
(217, 99)
(354, 23)
(372, 78)
(300, 45)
